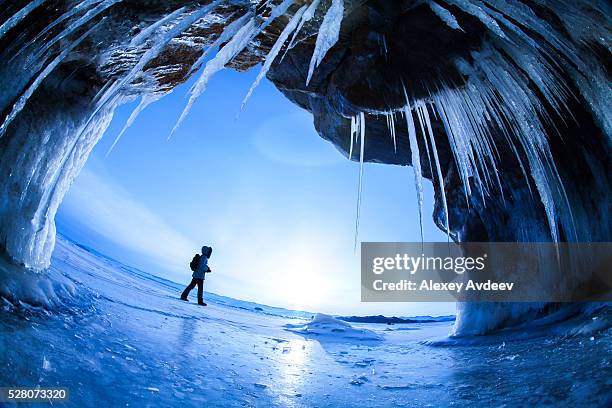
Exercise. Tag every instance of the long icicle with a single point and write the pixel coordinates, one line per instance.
(361, 128)
(230, 50)
(72, 27)
(85, 5)
(289, 28)
(328, 35)
(353, 132)
(21, 102)
(142, 36)
(306, 17)
(20, 15)
(226, 35)
(224, 56)
(425, 115)
(112, 91)
(416, 163)
(145, 101)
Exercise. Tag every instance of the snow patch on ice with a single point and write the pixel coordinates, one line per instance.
(328, 328)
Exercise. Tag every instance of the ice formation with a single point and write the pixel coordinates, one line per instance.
(228, 52)
(416, 162)
(328, 35)
(445, 15)
(17, 17)
(519, 79)
(306, 17)
(360, 128)
(289, 28)
(327, 328)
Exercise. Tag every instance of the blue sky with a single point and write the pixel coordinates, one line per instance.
(275, 201)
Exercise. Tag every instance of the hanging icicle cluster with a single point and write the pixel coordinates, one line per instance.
(501, 95)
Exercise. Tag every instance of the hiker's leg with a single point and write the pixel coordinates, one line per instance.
(188, 288)
(200, 290)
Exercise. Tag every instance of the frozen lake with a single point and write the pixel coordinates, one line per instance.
(126, 340)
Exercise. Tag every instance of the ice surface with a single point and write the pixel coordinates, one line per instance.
(124, 337)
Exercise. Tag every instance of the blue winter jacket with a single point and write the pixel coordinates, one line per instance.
(200, 272)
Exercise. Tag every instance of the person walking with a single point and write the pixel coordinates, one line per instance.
(199, 266)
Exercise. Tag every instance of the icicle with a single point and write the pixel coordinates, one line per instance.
(361, 128)
(475, 8)
(425, 115)
(417, 105)
(111, 94)
(225, 36)
(151, 53)
(74, 10)
(100, 8)
(226, 54)
(23, 99)
(353, 134)
(524, 122)
(306, 17)
(328, 35)
(458, 145)
(142, 36)
(384, 41)
(445, 15)
(391, 125)
(416, 163)
(382, 44)
(144, 102)
(20, 15)
(49, 194)
(274, 51)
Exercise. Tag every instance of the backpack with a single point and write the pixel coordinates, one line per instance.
(195, 262)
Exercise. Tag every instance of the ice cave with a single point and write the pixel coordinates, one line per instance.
(502, 105)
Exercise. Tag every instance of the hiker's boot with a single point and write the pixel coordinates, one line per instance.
(201, 302)
(184, 298)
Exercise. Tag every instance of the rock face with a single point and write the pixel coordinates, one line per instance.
(515, 93)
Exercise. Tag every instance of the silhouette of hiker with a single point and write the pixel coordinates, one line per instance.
(199, 266)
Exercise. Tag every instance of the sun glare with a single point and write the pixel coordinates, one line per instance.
(301, 283)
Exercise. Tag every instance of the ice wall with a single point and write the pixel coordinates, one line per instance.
(41, 154)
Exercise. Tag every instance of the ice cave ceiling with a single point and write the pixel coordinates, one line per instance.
(502, 104)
